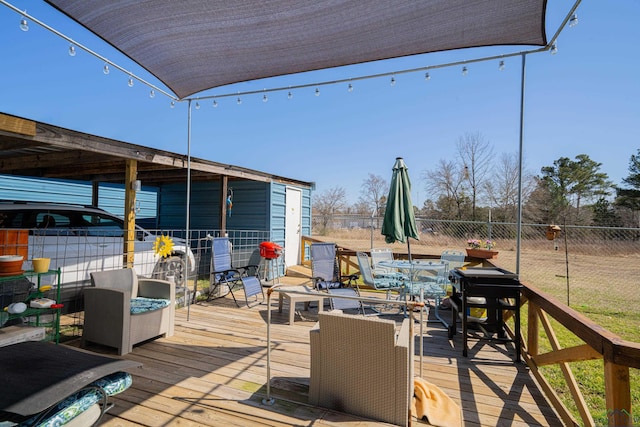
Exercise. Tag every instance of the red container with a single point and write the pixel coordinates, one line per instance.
(270, 250)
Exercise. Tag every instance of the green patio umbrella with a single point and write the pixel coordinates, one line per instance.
(399, 222)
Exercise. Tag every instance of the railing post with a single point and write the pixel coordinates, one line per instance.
(533, 325)
(617, 389)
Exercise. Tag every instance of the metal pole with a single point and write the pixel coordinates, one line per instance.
(373, 213)
(268, 400)
(519, 230)
(186, 244)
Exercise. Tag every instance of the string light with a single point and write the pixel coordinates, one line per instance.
(289, 95)
(465, 71)
(427, 76)
(501, 66)
(393, 81)
(238, 101)
(105, 69)
(197, 105)
(72, 50)
(173, 104)
(554, 48)
(152, 94)
(317, 92)
(574, 20)
(350, 88)
(265, 98)
(24, 25)
(215, 103)
(130, 82)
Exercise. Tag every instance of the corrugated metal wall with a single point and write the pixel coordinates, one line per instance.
(111, 196)
(250, 209)
(306, 212)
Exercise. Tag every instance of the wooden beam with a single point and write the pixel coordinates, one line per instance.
(130, 212)
(618, 394)
(17, 125)
(578, 353)
(533, 326)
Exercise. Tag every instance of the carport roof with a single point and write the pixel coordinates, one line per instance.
(31, 148)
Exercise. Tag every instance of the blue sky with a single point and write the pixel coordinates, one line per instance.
(584, 99)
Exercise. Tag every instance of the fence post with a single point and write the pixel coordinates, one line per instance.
(617, 390)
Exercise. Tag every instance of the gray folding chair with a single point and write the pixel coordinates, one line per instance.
(224, 274)
(326, 277)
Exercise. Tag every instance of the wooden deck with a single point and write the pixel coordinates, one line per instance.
(212, 372)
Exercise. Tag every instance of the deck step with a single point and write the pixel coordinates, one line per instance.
(299, 271)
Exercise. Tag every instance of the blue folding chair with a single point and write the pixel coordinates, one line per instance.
(326, 277)
(223, 273)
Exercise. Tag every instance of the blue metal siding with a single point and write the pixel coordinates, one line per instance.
(249, 211)
(278, 212)
(111, 196)
(306, 211)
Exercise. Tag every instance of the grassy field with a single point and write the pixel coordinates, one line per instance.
(594, 282)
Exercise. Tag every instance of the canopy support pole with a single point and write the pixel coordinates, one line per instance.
(520, 155)
(188, 208)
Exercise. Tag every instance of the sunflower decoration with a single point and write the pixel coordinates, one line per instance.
(163, 246)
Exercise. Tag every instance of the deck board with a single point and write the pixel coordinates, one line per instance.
(212, 372)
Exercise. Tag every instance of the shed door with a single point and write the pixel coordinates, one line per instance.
(293, 226)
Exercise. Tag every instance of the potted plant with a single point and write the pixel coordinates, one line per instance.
(481, 249)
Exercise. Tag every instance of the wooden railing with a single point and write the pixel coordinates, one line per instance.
(617, 354)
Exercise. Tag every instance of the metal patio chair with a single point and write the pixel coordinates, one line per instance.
(379, 282)
(326, 277)
(223, 273)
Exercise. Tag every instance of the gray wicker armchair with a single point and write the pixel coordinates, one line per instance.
(121, 310)
(359, 365)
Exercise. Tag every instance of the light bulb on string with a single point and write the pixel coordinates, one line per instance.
(130, 82)
(239, 101)
(427, 76)
(465, 71)
(173, 104)
(215, 103)
(501, 66)
(350, 88)
(24, 24)
(105, 69)
(574, 20)
(554, 49)
(152, 94)
(72, 50)
(197, 105)
(265, 98)
(393, 81)
(289, 95)
(317, 92)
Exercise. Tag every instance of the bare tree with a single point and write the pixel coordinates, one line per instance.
(502, 189)
(446, 183)
(327, 203)
(475, 153)
(373, 192)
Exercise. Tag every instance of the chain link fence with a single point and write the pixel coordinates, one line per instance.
(593, 269)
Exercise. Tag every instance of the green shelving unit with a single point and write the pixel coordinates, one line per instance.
(49, 318)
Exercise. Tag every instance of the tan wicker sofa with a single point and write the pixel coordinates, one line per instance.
(109, 318)
(360, 366)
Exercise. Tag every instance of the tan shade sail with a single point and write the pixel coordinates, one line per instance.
(194, 45)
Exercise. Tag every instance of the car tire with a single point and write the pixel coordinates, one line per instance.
(173, 265)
